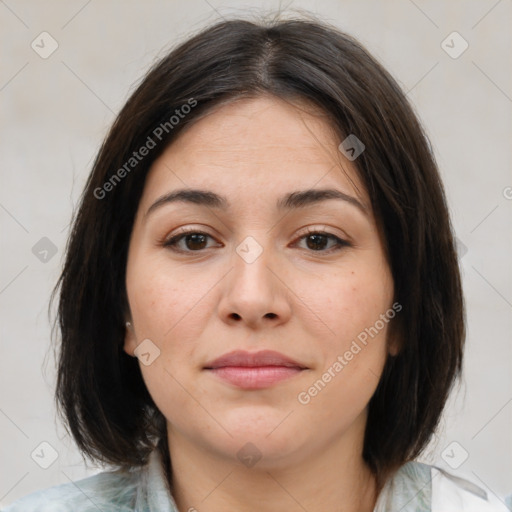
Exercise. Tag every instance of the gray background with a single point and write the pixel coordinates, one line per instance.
(56, 111)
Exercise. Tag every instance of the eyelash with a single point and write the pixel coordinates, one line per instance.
(173, 241)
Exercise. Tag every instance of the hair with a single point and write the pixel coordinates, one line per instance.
(100, 391)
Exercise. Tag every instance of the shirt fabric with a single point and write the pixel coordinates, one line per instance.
(415, 487)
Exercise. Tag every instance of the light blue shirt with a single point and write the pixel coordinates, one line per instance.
(415, 487)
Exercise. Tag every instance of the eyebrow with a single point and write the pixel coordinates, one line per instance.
(292, 200)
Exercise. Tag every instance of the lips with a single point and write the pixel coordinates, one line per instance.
(252, 371)
(240, 358)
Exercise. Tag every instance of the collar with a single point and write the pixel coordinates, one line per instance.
(154, 494)
(415, 487)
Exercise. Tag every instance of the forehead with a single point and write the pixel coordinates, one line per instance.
(261, 145)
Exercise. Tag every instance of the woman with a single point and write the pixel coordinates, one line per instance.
(261, 307)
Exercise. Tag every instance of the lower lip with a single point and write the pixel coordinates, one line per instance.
(257, 377)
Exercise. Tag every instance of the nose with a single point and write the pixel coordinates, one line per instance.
(255, 291)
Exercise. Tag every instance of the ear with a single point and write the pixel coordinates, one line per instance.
(130, 341)
(395, 340)
(396, 335)
(393, 348)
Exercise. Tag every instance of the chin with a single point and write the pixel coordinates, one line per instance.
(264, 448)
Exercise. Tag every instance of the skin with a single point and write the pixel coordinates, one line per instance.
(198, 305)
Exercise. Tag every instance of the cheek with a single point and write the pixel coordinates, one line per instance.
(172, 309)
(348, 302)
(159, 297)
(162, 307)
(353, 357)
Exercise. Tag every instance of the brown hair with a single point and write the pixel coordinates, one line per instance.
(100, 391)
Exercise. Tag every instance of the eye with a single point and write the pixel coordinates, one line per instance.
(317, 241)
(194, 241)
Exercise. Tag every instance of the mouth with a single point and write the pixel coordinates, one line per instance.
(257, 370)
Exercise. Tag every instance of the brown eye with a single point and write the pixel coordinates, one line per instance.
(196, 241)
(193, 240)
(317, 241)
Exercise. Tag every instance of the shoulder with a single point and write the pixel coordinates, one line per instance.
(418, 487)
(452, 493)
(408, 490)
(114, 491)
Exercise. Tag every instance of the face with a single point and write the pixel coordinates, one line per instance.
(251, 272)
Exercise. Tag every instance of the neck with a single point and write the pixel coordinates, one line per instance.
(334, 479)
